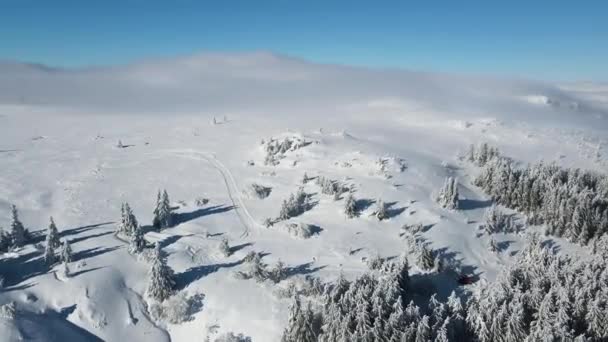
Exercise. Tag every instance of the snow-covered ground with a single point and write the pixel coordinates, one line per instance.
(59, 131)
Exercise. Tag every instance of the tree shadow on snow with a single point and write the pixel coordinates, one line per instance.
(168, 241)
(364, 203)
(92, 252)
(182, 280)
(391, 211)
(76, 274)
(470, 204)
(504, 245)
(237, 248)
(83, 238)
(303, 269)
(25, 266)
(179, 218)
(52, 326)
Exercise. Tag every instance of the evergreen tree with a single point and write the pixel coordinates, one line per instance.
(137, 243)
(423, 333)
(161, 283)
(300, 324)
(128, 222)
(5, 241)
(225, 248)
(425, 258)
(381, 211)
(278, 272)
(163, 218)
(350, 206)
(66, 252)
(492, 246)
(448, 195)
(49, 249)
(156, 214)
(18, 232)
(54, 234)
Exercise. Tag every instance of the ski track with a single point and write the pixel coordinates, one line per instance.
(231, 187)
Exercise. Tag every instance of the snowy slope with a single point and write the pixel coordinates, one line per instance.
(58, 156)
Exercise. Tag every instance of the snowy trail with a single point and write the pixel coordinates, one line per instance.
(231, 187)
(135, 299)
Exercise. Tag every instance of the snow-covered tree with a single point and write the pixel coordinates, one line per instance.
(54, 233)
(5, 241)
(493, 246)
(425, 258)
(278, 272)
(350, 206)
(66, 252)
(448, 195)
(137, 243)
(161, 283)
(295, 205)
(128, 222)
(163, 218)
(300, 326)
(224, 248)
(18, 231)
(49, 249)
(381, 212)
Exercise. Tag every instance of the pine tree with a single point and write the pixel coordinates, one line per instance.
(18, 232)
(5, 241)
(137, 242)
(128, 221)
(381, 211)
(165, 214)
(49, 250)
(54, 234)
(161, 283)
(66, 252)
(225, 248)
(300, 323)
(423, 333)
(156, 214)
(350, 206)
(448, 195)
(425, 258)
(278, 272)
(492, 246)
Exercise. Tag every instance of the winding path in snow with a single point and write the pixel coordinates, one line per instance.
(231, 187)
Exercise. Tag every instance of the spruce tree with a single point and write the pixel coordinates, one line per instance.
(381, 211)
(350, 206)
(49, 249)
(448, 195)
(5, 241)
(18, 232)
(165, 215)
(156, 222)
(137, 242)
(426, 261)
(300, 323)
(224, 248)
(66, 252)
(161, 283)
(54, 234)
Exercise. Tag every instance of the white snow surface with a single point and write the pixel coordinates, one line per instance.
(58, 156)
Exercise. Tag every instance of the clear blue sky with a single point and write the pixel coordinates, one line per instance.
(561, 40)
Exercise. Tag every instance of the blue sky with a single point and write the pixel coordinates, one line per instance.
(560, 40)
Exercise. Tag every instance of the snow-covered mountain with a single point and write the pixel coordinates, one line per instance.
(207, 128)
